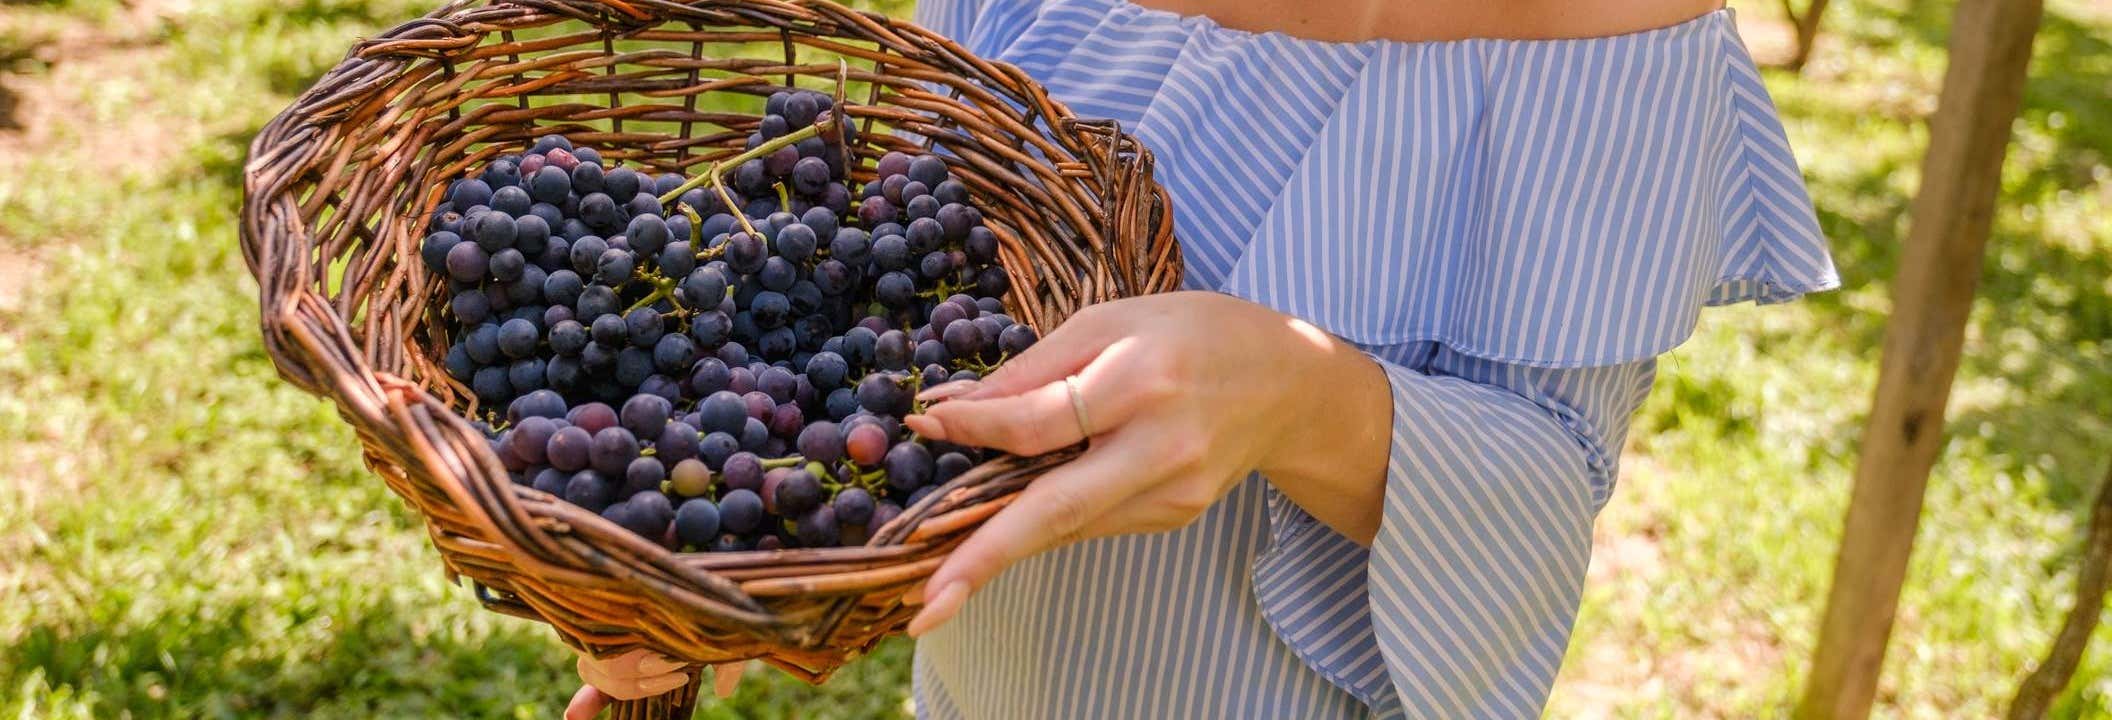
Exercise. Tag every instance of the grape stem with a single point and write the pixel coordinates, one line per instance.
(784, 197)
(784, 462)
(663, 289)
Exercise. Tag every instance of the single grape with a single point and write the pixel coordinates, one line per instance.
(817, 527)
(644, 415)
(993, 281)
(874, 211)
(645, 203)
(950, 466)
(466, 262)
(964, 339)
(924, 236)
(932, 352)
(470, 306)
(614, 266)
(722, 412)
(809, 175)
(469, 193)
(645, 473)
(798, 492)
(589, 490)
(512, 200)
(927, 169)
(882, 394)
(612, 451)
(854, 506)
(648, 234)
(741, 511)
(908, 465)
(715, 448)
(755, 434)
(633, 366)
(697, 522)
(1015, 339)
(866, 443)
(644, 327)
(840, 403)
(690, 478)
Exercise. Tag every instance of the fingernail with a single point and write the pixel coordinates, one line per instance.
(946, 390)
(925, 426)
(939, 608)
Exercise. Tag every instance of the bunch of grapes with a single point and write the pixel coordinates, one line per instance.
(722, 364)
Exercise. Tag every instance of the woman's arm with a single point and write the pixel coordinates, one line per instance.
(1186, 393)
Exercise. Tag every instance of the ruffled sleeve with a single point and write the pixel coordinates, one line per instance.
(1462, 606)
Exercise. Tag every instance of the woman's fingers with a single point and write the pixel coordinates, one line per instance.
(726, 677)
(586, 703)
(1040, 419)
(1049, 513)
(1069, 347)
(632, 675)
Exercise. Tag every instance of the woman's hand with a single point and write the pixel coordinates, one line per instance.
(637, 674)
(1183, 395)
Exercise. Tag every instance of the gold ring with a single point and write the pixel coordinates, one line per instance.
(1078, 406)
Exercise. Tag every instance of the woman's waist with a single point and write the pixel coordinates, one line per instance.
(1440, 20)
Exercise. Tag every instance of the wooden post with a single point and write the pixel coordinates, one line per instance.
(2038, 691)
(1807, 28)
(1990, 47)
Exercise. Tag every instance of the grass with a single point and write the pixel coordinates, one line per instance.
(181, 535)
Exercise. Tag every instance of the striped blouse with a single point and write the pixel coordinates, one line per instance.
(1512, 229)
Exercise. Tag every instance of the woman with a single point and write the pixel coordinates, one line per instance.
(1438, 246)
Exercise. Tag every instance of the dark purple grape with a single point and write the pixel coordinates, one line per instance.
(722, 412)
(511, 200)
(880, 393)
(821, 442)
(710, 329)
(469, 193)
(552, 480)
(891, 189)
(809, 175)
(817, 527)
(874, 211)
(950, 192)
(645, 203)
(923, 207)
(677, 442)
(741, 511)
(644, 415)
(708, 376)
(827, 370)
(796, 242)
(1015, 339)
(550, 184)
(777, 344)
(518, 338)
(674, 353)
(594, 417)
(644, 327)
(754, 435)
(797, 493)
(893, 163)
(896, 290)
(854, 506)
(936, 265)
(840, 403)
(612, 451)
(993, 281)
(923, 235)
(697, 522)
(458, 363)
(508, 265)
(800, 109)
(892, 351)
(645, 473)
(770, 309)
(779, 164)
(610, 331)
(568, 448)
(909, 466)
(466, 262)
(964, 340)
(734, 355)
(434, 250)
(743, 470)
(935, 374)
(932, 352)
(648, 234)
(745, 253)
(715, 448)
(950, 466)
(927, 169)
(470, 306)
(600, 212)
(589, 490)
(778, 274)
(786, 420)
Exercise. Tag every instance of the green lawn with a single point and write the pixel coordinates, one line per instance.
(181, 535)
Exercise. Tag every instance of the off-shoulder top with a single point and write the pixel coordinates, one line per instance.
(1513, 229)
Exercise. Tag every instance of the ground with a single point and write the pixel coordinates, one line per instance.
(182, 535)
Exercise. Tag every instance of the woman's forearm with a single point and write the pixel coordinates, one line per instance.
(1333, 456)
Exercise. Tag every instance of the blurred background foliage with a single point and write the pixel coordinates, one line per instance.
(181, 535)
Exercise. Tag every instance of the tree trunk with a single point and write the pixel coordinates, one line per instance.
(1932, 296)
(2037, 692)
(1807, 27)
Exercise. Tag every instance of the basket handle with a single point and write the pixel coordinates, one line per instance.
(679, 704)
(1134, 206)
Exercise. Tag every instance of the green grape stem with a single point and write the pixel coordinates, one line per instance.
(784, 197)
(712, 172)
(783, 462)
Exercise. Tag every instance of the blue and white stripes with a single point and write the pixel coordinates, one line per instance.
(1514, 229)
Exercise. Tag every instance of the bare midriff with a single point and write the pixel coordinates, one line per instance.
(1426, 20)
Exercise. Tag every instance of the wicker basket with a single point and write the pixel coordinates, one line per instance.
(337, 187)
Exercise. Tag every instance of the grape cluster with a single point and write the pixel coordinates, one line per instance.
(724, 381)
